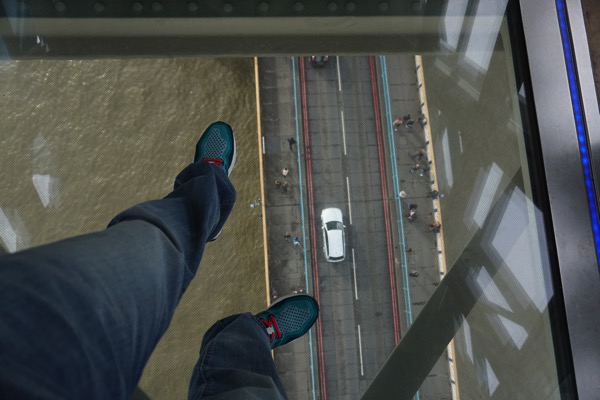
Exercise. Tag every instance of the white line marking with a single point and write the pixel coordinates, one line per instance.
(343, 131)
(354, 269)
(349, 205)
(362, 371)
(263, 144)
(337, 61)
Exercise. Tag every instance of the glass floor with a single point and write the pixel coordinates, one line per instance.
(428, 156)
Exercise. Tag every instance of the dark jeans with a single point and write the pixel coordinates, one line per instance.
(235, 363)
(79, 318)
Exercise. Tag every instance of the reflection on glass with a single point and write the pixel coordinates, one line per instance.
(13, 231)
(7, 233)
(454, 16)
(517, 333)
(46, 187)
(449, 178)
(43, 166)
(492, 181)
(490, 378)
(491, 312)
(490, 290)
(483, 195)
(483, 35)
(515, 244)
(468, 344)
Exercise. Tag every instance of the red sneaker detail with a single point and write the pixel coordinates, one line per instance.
(272, 323)
(216, 161)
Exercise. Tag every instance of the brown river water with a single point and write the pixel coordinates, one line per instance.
(82, 140)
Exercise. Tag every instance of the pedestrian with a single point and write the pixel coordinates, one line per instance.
(435, 227)
(81, 317)
(414, 273)
(412, 215)
(287, 236)
(415, 168)
(397, 123)
(422, 120)
(419, 168)
(285, 171)
(408, 121)
(296, 241)
(285, 186)
(274, 293)
(434, 194)
(277, 183)
(419, 155)
(412, 206)
(291, 142)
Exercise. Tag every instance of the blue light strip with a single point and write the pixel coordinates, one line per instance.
(310, 338)
(577, 111)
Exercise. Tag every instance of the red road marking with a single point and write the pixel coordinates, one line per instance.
(313, 233)
(384, 195)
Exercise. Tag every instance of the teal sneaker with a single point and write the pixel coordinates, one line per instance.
(289, 318)
(217, 146)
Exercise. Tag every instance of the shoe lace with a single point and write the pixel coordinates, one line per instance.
(272, 327)
(216, 161)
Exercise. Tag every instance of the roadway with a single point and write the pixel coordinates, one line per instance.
(357, 319)
(338, 162)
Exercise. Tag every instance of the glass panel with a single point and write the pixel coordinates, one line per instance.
(494, 312)
(492, 225)
(446, 282)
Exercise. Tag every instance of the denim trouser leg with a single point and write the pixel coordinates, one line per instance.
(79, 318)
(236, 363)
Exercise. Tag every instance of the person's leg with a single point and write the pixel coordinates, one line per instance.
(235, 361)
(81, 317)
(235, 357)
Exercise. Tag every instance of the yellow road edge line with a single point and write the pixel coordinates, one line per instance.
(451, 346)
(262, 181)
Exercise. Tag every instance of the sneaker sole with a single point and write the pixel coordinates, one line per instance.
(280, 299)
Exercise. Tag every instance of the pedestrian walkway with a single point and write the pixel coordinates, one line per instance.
(286, 228)
(413, 158)
(418, 246)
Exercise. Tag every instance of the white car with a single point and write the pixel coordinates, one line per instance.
(334, 237)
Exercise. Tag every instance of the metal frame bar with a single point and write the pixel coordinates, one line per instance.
(574, 239)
